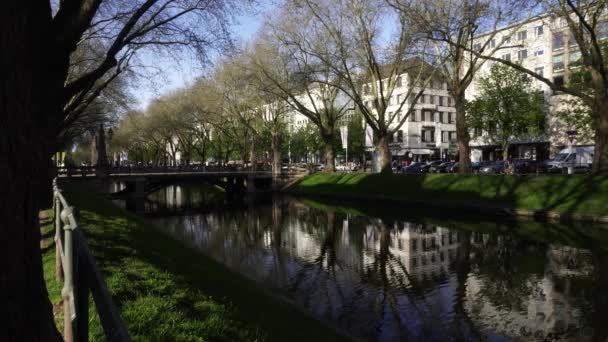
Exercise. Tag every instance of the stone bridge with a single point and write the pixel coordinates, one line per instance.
(139, 182)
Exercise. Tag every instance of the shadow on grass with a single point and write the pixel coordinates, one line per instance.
(545, 195)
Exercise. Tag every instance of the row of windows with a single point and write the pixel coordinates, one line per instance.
(430, 116)
(443, 101)
(520, 36)
(559, 40)
(423, 258)
(427, 135)
(558, 60)
(433, 84)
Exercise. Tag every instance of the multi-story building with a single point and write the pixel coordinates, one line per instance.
(429, 132)
(546, 46)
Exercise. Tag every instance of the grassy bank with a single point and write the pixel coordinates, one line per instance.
(582, 197)
(168, 292)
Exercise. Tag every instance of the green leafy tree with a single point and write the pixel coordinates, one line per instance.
(507, 108)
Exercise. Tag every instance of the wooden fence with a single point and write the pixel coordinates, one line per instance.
(76, 267)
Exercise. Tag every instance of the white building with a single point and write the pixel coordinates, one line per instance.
(546, 46)
(313, 100)
(430, 132)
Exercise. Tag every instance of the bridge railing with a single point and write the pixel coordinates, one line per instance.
(76, 267)
(85, 171)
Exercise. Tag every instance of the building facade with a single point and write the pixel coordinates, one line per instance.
(429, 133)
(546, 46)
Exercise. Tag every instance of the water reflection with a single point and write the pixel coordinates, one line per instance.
(390, 279)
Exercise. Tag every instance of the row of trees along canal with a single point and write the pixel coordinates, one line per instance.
(61, 59)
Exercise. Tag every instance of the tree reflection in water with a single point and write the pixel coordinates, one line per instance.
(384, 278)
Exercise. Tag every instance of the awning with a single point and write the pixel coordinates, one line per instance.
(422, 151)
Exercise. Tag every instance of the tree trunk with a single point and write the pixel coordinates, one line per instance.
(462, 133)
(30, 87)
(384, 155)
(276, 154)
(253, 158)
(600, 155)
(330, 157)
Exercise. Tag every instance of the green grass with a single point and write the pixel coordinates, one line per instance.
(168, 292)
(581, 195)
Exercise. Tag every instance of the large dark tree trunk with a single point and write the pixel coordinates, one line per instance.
(330, 154)
(600, 156)
(462, 133)
(253, 158)
(30, 87)
(276, 153)
(384, 155)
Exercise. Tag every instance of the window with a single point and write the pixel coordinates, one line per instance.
(602, 30)
(390, 115)
(558, 80)
(508, 41)
(412, 117)
(428, 115)
(575, 57)
(558, 62)
(444, 136)
(492, 43)
(400, 136)
(421, 98)
(539, 30)
(522, 35)
(398, 99)
(399, 81)
(539, 52)
(477, 47)
(365, 90)
(445, 117)
(571, 40)
(398, 116)
(558, 40)
(450, 102)
(452, 118)
(477, 131)
(522, 54)
(539, 71)
(431, 99)
(506, 57)
(441, 101)
(428, 134)
(453, 137)
(437, 116)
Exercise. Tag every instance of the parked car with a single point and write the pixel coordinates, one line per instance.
(433, 165)
(580, 158)
(495, 167)
(419, 167)
(476, 166)
(443, 167)
(453, 168)
(525, 166)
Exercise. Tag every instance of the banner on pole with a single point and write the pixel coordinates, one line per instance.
(369, 136)
(344, 136)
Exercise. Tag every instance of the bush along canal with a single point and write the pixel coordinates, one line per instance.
(384, 272)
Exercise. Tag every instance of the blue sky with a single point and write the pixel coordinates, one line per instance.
(171, 75)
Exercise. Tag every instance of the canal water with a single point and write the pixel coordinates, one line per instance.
(392, 272)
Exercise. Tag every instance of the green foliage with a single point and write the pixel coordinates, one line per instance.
(507, 107)
(577, 114)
